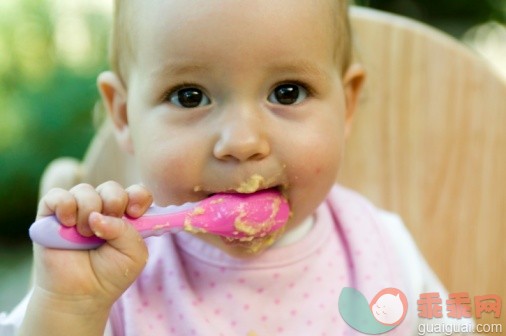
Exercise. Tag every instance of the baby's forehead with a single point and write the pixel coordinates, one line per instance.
(134, 16)
(331, 13)
(334, 7)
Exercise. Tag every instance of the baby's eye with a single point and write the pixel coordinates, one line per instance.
(189, 98)
(288, 94)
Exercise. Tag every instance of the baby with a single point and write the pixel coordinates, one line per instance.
(225, 96)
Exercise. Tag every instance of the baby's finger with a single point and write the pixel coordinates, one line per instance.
(114, 198)
(88, 201)
(61, 203)
(120, 235)
(139, 200)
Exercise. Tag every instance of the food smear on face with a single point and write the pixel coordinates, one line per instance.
(252, 184)
(252, 245)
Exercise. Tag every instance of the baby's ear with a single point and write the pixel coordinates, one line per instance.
(114, 96)
(353, 80)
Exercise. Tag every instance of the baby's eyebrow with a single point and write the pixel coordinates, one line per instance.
(305, 68)
(175, 69)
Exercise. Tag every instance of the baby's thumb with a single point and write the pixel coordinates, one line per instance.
(120, 235)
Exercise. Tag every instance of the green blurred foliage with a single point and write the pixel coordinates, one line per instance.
(452, 16)
(46, 99)
(46, 102)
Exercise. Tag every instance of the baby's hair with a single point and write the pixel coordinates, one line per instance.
(343, 34)
(122, 49)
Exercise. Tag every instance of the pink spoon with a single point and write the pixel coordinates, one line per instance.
(241, 216)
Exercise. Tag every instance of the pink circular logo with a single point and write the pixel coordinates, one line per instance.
(389, 306)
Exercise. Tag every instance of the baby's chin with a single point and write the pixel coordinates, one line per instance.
(250, 246)
(242, 247)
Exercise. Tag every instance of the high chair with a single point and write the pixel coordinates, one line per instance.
(428, 142)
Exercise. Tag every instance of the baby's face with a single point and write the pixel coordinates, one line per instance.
(226, 93)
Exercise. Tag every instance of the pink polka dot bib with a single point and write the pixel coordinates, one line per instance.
(191, 288)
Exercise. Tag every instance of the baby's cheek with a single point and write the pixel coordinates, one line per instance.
(167, 176)
(320, 164)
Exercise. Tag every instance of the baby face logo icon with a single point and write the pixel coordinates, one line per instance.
(386, 310)
(389, 306)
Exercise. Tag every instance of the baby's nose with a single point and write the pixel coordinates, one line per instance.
(242, 137)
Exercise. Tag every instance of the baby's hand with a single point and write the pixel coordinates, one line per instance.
(95, 277)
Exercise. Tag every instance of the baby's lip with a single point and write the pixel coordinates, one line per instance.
(249, 185)
(278, 188)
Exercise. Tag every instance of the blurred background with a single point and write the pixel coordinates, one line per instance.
(50, 54)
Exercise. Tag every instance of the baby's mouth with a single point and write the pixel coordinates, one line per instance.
(252, 184)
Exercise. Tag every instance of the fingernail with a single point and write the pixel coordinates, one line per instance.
(96, 216)
(70, 219)
(135, 209)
